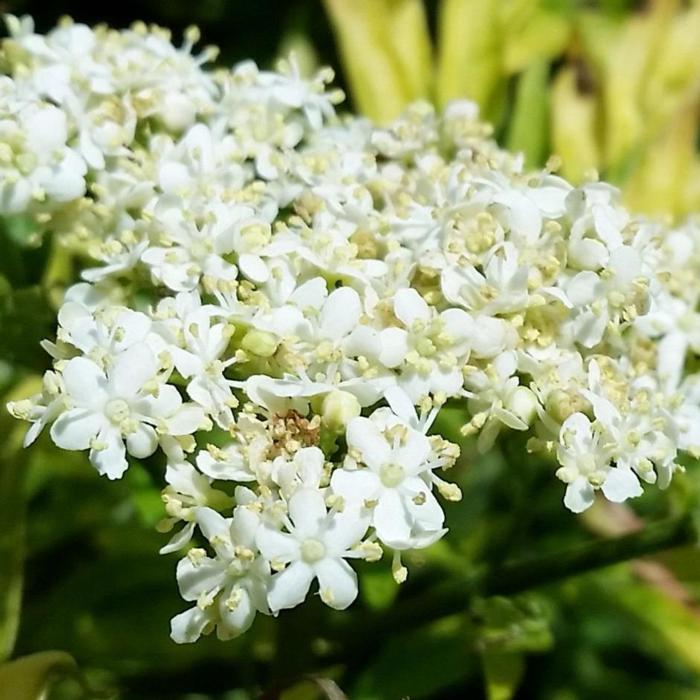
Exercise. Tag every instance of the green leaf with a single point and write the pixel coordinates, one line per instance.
(529, 122)
(32, 677)
(385, 50)
(420, 663)
(470, 60)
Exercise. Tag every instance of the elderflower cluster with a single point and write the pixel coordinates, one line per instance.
(280, 300)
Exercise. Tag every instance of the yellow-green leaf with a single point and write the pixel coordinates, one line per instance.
(573, 125)
(385, 52)
(469, 59)
(528, 130)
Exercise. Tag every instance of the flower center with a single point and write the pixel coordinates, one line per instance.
(391, 475)
(312, 550)
(117, 410)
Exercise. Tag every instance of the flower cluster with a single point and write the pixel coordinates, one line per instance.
(281, 300)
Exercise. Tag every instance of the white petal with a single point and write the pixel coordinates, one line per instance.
(85, 382)
(579, 495)
(355, 486)
(289, 587)
(412, 455)
(345, 530)
(188, 627)
(490, 336)
(341, 313)
(394, 346)
(363, 341)
(409, 306)
(364, 436)
(307, 510)
(187, 420)
(337, 583)
(401, 404)
(234, 622)
(143, 442)
(186, 363)
(390, 519)
(621, 484)
(212, 524)
(165, 403)
(75, 429)
(244, 526)
(587, 254)
(583, 288)
(111, 460)
(178, 540)
(254, 268)
(132, 369)
(427, 514)
(589, 328)
(195, 579)
(277, 546)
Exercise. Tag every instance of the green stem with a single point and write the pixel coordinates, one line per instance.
(524, 573)
(12, 519)
(521, 574)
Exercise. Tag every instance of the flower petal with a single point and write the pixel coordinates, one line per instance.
(579, 495)
(307, 510)
(621, 484)
(131, 370)
(75, 429)
(289, 587)
(142, 442)
(337, 583)
(277, 546)
(188, 626)
(341, 313)
(364, 436)
(409, 306)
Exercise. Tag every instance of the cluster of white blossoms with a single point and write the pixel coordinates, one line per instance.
(281, 300)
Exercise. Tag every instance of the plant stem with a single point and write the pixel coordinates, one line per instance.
(12, 520)
(524, 573)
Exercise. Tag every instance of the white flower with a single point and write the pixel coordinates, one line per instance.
(618, 294)
(497, 398)
(430, 349)
(190, 250)
(127, 404)
(585, 459)
(199, 361)
(36, 167)
(186, 491)
(315, 546)
(228, 588)
(396, 485)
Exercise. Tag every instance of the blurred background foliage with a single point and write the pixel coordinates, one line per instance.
(85, 600)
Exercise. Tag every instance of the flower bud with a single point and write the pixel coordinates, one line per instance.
(338, 409)
(260, 343)
(523, 403)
